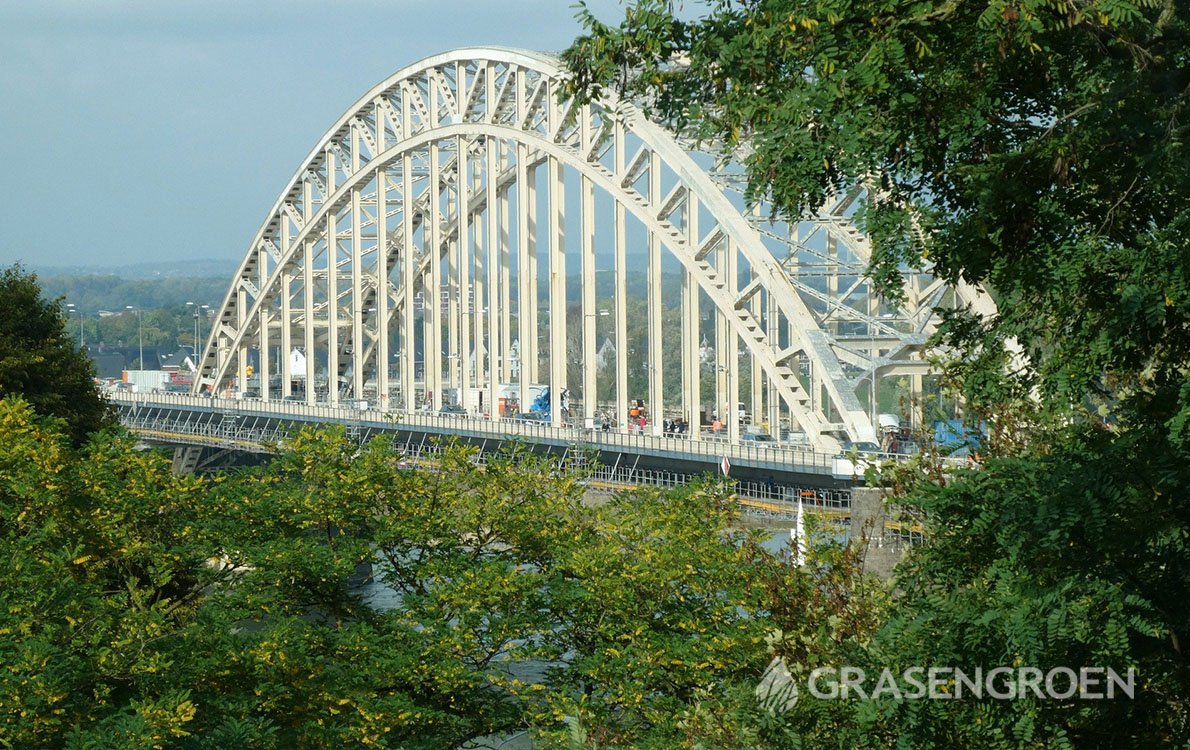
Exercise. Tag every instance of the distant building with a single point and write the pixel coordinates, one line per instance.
(109, 365)
(297, 364)
(514, 360)
(180, 366)
(706, 352)
(180, 361)
(605, 355)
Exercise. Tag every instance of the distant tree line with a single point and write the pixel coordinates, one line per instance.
(92, 293)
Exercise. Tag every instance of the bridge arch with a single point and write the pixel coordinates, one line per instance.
(421, 251)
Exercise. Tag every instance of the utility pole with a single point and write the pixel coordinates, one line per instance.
(198, 313)
(140, 334)
(194, 348)
(70, 307)
(198, 328)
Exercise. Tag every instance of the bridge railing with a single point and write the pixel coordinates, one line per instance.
(594, 438)
(787, 457)
(171, 417)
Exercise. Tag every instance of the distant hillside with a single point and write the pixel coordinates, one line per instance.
(91, 294)
(149, 286)
(188, 269)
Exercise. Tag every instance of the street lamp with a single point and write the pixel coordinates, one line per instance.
(140, 333)
(198, 311)
(72, 310)
(194, 346)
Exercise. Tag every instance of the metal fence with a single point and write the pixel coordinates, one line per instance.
(258, 426)
(248, 427)
(786, 457)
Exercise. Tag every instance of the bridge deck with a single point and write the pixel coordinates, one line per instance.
(218, 421)
(770, 480)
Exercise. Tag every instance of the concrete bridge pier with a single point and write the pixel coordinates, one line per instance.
(869, 516)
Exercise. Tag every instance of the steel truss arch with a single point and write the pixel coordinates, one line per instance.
(410, 196)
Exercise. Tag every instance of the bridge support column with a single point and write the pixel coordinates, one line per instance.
(453, 290)
(559, 356)
(733, 351)
(691, 319)
(480, 297)
(526, 319)
(621, 289)
(465, 304)
(263, 320)
(505, 245)
(241, 354)
(308, 320)
(308, 295)
(284, 364)
(533, 360)
(186, 459)
(756, 408)
(331, 258)
(432, 315)
(383, 255)
(493, 253)
(408, 279)
(357, 292)
(656, 346)
(720, 405)
(589, 312)
(773, 402)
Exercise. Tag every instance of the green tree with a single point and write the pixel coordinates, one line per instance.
(675, 612)
(336, 598)
(101, 570)
(1036, 148)
(1053, 561)
(39, 361)
(114, 293)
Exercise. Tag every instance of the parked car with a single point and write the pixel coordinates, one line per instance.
(743, 413)
(452, 410)
(863, 448)
(757, 437)
(797, 439)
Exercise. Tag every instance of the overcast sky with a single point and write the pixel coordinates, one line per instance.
(142, 130)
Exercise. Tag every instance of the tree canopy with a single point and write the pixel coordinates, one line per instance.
(1035, 147)
(334, 598)
(39, 361)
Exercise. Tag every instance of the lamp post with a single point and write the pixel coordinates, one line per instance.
(194, 341)
(140, 333)
(194, 347)
(198, 311)
(73, 310)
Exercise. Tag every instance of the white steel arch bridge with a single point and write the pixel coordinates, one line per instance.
(463, 236)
